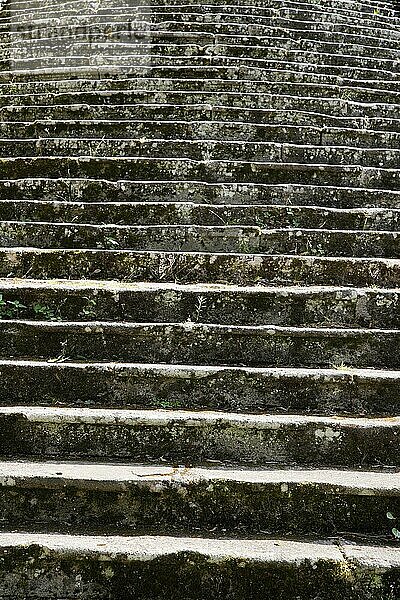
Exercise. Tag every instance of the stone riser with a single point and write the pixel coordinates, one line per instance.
(92, 191)
(169, 567)
(373, 18)
(334, 100)
(295, 46)
(193, 238)
(190, 213)
(201, 150)
(169, 46)
(296, 306)
(231, 23)
(130, 499)
(243, 390)
(191, 343)
(195, 438)
(238, 269)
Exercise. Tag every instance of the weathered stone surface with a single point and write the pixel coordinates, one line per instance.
(86, 300)
(192, 267)
(200, 273)
(196, 343)
(240, 389)
(198, 437)
(131, 499)
(195, 568)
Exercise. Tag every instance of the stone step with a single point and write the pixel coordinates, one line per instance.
(282, 43)
(273, 16)
(195, 105)
(202, 238)
(121, 385)
(224, 22)
(205, 171)
(201, 150)
(196, 343)
(312, 40)
(97, 190)
(178, 46)
(287, 66)
(301, 11)
(192, 267)
(197, 438)
(275, 126)
(225, 104)
(195, 78)
(383, 9)
(140, 567)
(192, 213)
(154, 499)
(285, 82)
(343, 100)
(32, 133)
(199, 303)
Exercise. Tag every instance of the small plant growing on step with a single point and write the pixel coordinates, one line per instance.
(199, 307)
(43, 311)
(90, 308)
(395, 531)
(10, 308)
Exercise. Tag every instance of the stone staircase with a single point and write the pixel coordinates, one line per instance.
(199, 300)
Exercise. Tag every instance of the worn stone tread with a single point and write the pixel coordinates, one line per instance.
(198, 437)
(193, 213)
(196, 343)
(178, 498)
(190, 267)
(206, 170)
(202, 303)
(239, 389)
(235, 150)
(202, 238)
(247, 108)
(116, 564)
(96, 190)
(100, 130)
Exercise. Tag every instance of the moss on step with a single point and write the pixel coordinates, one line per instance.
(190, 575)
